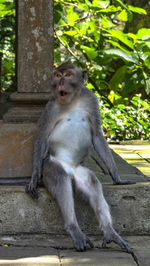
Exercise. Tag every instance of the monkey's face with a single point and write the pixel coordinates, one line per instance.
(66, 85)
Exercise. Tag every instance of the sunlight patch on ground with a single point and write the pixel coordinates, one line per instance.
(136, 155)
(42, 260)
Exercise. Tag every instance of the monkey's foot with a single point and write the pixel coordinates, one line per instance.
(80, 240)
(31, 189)
(81, 243)
(124, 182)
(113, 236)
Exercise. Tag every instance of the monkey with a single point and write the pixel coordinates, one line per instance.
(69, 125)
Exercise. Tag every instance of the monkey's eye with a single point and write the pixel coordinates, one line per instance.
(68, 74)
(58, 75)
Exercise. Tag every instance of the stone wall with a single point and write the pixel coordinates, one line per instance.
(16, 149)
(130, 208)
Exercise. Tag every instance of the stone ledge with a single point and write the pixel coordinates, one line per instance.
(130, 208)
(30, 97)
(22, 115)
(24, 107)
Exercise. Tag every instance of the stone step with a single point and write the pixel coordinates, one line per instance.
(20, 214)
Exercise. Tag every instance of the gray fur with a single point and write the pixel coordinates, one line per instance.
(68, 127)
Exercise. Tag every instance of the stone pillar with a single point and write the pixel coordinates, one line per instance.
(34, 63)
(0, 72)
(35, 45)
(34, 59)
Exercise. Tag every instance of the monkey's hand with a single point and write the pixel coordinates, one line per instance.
(31, 188)
(113, 236)
(123, 182)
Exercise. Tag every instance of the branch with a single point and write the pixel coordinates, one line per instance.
(67, 47)
(73, 23)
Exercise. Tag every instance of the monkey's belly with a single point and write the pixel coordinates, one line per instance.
(71, 139)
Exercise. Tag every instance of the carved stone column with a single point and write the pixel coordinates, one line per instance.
(34, 59)
(35, 45)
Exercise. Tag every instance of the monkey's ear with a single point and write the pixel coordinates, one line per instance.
(84, 75)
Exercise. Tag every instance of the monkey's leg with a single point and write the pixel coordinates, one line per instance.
(58, 183)
(88, 183)
(102, 148)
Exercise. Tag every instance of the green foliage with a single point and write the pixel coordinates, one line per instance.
(8, 68)
(7, 39)
(126, 121)
(91, 34)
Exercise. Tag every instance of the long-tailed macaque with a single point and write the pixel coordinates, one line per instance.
(68, 127)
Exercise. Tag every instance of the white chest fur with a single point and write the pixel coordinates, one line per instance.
(71, 137)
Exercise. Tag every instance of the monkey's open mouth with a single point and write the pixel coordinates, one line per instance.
(63, 93)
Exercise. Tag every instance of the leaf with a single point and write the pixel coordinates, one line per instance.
(57, 12)
(94, 29)
(147, 43)
(101, 4)
(131, 35)
(84, 7)
(71, 15)
(64, 40)
(147, 86)
(118, 77)
(4, 10)
(97, 67)
(91, 53)
(110, 10)
(92, 25)
(118, 34)
(123, 15)
(88, 3)
(70, 32)
(137, 10)
(114, 43)
(147, 62)
(121, 4)
(106, 23)
(129, 13)
(121, 54)
(143, 34)
(113, 96)
(121, 106)
(147, 83)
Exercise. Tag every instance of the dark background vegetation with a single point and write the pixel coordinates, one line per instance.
(111, 39)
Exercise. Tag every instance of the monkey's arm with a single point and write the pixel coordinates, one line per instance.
(40, 149)
(39, 152)
(102, 148)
